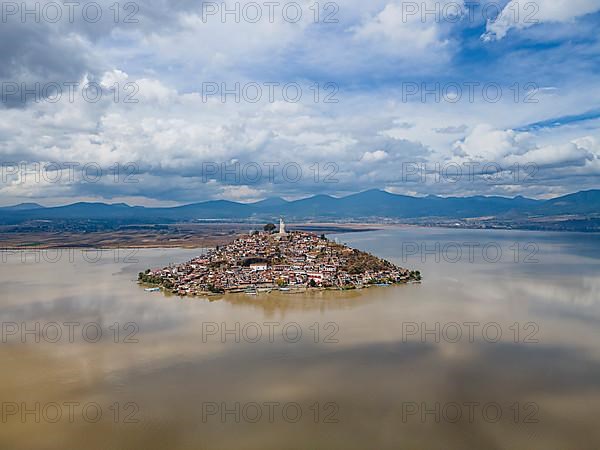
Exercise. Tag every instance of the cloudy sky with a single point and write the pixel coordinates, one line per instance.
(163, 102)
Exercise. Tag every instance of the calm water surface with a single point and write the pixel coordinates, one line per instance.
(498, 348)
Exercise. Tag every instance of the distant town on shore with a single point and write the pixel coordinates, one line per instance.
(268, 260)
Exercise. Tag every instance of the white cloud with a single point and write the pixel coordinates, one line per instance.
(375, 156)
(398, 31)
(518, 14)
(508, 147)
(243, 194)
(170, 135)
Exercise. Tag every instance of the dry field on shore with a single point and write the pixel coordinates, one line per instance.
(178, 235)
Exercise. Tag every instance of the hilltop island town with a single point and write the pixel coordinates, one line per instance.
(269, 260)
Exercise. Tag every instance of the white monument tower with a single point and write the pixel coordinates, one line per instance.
(281, 227)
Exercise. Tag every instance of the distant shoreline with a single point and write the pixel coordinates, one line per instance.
(187, 236)
(201, 236)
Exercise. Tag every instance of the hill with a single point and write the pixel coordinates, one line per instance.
(372, 205)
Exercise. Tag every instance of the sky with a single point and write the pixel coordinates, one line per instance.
(169, 102)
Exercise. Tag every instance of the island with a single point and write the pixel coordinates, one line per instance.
(263, 261)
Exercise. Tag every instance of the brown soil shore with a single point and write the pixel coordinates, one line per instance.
(174, 236)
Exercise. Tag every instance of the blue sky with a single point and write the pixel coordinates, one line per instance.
(387, 114)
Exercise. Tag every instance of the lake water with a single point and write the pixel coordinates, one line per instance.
(498, 348)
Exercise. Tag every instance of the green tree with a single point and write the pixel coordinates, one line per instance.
(269, 228)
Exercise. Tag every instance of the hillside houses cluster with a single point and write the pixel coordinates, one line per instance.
(275, 261)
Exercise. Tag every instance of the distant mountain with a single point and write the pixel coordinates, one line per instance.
(368, 205)
(584, 202)
(21, 207)
(318, 206)
(271, 202)
(216, 209)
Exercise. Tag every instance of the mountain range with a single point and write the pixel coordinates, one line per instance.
(370, 205)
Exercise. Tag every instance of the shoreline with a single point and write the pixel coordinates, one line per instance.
(263, 290)
(208, 241)
(185, 236)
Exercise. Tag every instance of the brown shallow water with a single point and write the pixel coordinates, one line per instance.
(380, 368)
